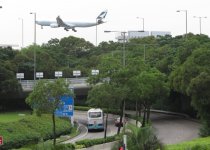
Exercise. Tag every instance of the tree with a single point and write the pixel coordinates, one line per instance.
(151, 85)
(45, 98)
(192, 79)
(199, 91)
(142, 139)
(103, 96)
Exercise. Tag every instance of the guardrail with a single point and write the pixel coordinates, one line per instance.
(75, 83)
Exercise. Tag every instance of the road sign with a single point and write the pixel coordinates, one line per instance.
(77, 73)
(20, 75)
(39, 75)
(95, 72)
(58, 74)
(67, 109)
(1, 140)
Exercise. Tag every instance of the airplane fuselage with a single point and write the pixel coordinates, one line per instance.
(76, 24)
(72, 25)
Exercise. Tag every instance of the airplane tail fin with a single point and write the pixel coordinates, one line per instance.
(102, 15)
(60, 22)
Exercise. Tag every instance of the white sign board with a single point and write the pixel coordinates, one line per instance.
(39, 74)
(95, 72)
(58, 73)
(20, 75)
(77, 73)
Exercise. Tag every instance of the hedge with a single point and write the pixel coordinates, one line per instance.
(91, 142)
(30, 130)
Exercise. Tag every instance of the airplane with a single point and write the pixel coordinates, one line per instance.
(72, 25)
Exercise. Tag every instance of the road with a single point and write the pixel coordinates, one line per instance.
(81, 118)
(169, 129)
(172, 129)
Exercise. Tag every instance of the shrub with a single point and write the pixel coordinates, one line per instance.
(91, 142)
(30, 130)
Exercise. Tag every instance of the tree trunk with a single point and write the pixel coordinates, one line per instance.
(136, 112)
(148, 114)
(121, 115)
(54, 137)
(144, 118)
(106, 125)
(139, 109)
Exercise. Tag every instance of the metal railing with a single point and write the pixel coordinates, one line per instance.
(75, 83)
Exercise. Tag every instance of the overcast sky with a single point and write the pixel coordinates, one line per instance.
(159, 15)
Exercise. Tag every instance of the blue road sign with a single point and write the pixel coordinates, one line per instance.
(67, 109)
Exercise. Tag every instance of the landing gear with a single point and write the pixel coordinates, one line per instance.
(74, 30)
(66, 29)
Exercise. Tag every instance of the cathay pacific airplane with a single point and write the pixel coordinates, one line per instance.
(72, 25)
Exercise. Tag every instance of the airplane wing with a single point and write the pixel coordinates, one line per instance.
(65, 25)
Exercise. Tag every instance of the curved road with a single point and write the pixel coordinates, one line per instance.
(173, 129)
(170, 129)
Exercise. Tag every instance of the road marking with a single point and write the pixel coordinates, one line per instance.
(79, 137)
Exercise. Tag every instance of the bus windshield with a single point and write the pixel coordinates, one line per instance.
(94, 114)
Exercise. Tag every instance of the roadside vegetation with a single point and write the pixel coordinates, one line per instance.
(13, 116)
(168, 73)
(196, 144)
(31, 129)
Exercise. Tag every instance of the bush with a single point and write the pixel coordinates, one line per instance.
(30, 130)
(91, 142)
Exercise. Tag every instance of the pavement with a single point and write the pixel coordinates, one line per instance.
(170, 128)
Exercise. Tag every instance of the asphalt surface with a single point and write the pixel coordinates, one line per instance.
(170, 129)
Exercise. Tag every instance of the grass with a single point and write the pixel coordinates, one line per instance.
(12, 116)
(188, 145)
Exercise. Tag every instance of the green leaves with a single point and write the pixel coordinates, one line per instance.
(46, 95)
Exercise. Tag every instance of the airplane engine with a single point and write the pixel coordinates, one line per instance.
(54, 25)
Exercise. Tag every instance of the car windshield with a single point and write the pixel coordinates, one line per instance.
(94, 114)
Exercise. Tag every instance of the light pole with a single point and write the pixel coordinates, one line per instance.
(34, 44)
(199, 21)
(96, 30)
(122, 34)
(142, 22)
(185, 18)
(22, 30)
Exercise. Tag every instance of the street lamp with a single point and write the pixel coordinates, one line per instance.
(22, 30)
(199, 21)
(142, 22)
(123, 34)
(186, 18)
(96, 30)
(34, 44)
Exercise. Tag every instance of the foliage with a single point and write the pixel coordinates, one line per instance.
(30, 130)
(91, 142)
(13, 116)
(46, 98)
(142, 139)
(196, 144)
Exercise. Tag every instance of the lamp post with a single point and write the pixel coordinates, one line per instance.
(34, 44)
(96, 30)
(21, 30)
(199, 21)
(142, 22)
(185, 18)
(123, 34)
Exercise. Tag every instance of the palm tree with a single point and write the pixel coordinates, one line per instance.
(142, 139)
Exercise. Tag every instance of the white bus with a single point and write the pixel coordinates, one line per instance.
(95, 118)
